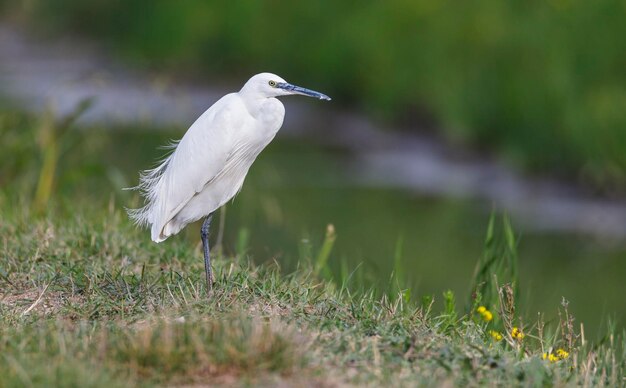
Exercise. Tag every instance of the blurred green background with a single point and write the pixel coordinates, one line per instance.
(539, 84)
(542, 83)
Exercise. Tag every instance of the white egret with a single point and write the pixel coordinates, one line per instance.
(208, 165)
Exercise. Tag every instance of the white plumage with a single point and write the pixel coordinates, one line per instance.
(209, 164)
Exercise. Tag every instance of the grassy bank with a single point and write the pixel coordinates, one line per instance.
(542, 83)
(87, 300)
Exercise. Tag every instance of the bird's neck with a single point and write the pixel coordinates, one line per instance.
(267, 110)
(254, 102)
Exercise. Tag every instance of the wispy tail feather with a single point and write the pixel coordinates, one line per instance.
(149, 185)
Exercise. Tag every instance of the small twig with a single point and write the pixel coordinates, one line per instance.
(182, 293)
(36, 302)
(172, 295)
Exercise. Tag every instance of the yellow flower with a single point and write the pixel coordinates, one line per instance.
(486, 314)
(517, 334)
(495, 335)
(561, 353)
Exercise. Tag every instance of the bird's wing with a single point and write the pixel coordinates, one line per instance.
(199, 157)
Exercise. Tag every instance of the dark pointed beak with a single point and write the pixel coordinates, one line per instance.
(303, 91)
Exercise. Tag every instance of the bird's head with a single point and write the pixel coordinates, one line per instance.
(270, 85)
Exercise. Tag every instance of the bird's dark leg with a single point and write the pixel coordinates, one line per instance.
(204, 233)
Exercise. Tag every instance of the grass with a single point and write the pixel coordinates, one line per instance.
(87, 300)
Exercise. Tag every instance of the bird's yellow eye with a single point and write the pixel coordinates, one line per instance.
(272, 84)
